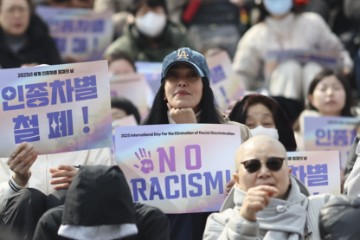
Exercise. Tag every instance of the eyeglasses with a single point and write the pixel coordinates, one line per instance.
(272, 163)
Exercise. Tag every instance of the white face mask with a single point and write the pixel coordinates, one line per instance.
(260, 130)
(151, 24)
(278, 7)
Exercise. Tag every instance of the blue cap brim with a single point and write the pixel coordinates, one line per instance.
(196, 68)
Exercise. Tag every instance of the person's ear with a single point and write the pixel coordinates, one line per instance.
(236, 178)
(164, 96)
(310, 98)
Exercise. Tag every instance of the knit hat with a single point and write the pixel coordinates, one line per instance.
(186, 55)
(98, 205)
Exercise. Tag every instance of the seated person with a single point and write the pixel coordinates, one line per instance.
(81, 217)
(20, 208)
(185, 96)
(55, 171)
(24, 37)
(266, 203)
(152, 36)
(23, 199)
(329, 94)
(263, 115)
(263, 58)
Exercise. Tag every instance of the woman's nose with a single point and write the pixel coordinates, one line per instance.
(182, 83)
(329, 91)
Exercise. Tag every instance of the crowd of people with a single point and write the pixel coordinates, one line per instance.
(280, 47)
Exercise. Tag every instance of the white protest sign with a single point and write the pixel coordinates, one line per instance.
(330, 133)
(80, 34)
(179, 168)
(134, 88)
(223, 82)
(56, 108)
(318, 170)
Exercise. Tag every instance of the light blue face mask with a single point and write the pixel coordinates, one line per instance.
(278, 7)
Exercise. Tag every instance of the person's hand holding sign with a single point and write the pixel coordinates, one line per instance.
(20, 162)
(63, 176)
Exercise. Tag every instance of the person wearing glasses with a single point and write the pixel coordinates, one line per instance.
(266, 202)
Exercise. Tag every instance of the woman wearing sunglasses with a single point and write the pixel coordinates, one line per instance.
(266, 202)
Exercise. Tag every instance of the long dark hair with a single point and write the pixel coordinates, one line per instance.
(207, 106)
(346, 111)
(282, 122)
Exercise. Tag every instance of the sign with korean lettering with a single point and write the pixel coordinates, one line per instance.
(179, 168)
(57, 108)
(134, 88)
(318, 170)
(80, 34)
(329, 59)
(223, 82)
(151, 72)
(330, 133)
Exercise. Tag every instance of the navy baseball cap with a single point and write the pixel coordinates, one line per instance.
(186, 55)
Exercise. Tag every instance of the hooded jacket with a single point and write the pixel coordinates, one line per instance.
(98, 205)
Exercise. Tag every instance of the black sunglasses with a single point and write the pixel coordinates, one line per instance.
(272, 163)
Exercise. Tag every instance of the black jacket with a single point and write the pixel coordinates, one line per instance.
(152, 224)
(40, 47)
(98, 196)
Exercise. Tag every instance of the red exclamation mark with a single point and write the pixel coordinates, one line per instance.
(86, 129)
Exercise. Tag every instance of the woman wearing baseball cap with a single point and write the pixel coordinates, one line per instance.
(185, 96)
